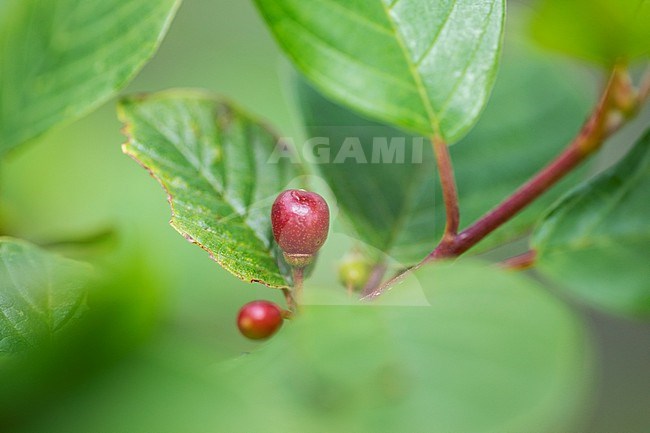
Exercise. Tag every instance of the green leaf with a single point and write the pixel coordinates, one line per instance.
(499, 356)
(123, 311)
(216, 164)
(395, 204)
(61, 59)
(595, 241)
(425, 66)
(489, 351)
(600, 31)
(40, 293)
(384, 201)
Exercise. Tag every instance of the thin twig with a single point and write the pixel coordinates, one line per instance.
(448, 184)
(604, 121)
(375, 278)
(392, 282)
(520, 262)
(291, 303)
(590, 138)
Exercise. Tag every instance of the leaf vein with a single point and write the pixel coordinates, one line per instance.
(437, 35)
(415, 74)
(444, 107)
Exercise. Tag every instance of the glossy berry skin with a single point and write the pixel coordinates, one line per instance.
(300, 222)
(259, 320)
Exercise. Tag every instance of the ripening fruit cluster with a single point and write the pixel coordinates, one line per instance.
(300, 221)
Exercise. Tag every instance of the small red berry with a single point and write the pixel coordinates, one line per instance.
(259, 320)
(300, 222)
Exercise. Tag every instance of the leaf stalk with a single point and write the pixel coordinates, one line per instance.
(449, 191)
(618, 103)
(604, 121)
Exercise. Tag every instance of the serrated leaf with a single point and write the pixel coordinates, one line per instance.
(215, 163)
(40, 293)
(60, 59)
(394, 203)
(425, 66)
(496, 356)
(601, 31)
(595, 242)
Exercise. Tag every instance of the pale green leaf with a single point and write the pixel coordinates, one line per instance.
(425, 66)
(595, 242)
(491, 352)
(217, 166)
(59, 59)
(40, 293)
(600, 31)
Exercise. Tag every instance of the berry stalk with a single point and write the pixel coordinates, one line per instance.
(298, 282)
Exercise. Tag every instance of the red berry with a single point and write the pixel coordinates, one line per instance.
(259, 320)
(300, 222)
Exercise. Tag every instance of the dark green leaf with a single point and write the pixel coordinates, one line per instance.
(595, 241)
(60, 59)
(40, 293)
(217, 166)
(395, 205)
(387, 201)
(496, 356)
(601, 31)
(425, 66)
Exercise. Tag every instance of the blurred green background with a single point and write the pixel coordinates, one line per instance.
(76, 180)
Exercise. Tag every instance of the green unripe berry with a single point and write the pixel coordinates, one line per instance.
(354, 271)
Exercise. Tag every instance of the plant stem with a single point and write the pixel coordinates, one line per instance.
(602, 122)
(288, 297)
(298, 276)
(379, 290)
(606, 118)
(374, 280)
(520, 262)
(449, 192)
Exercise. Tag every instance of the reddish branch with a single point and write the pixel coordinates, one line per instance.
(375, 278)
(520, 262)
(448, 183)
(605, 119)
(618, 102)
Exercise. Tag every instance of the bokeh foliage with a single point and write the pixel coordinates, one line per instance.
(147, 355)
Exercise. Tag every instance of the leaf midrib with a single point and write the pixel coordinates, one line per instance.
(213, 187)
(417, 78)
(445, 105)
